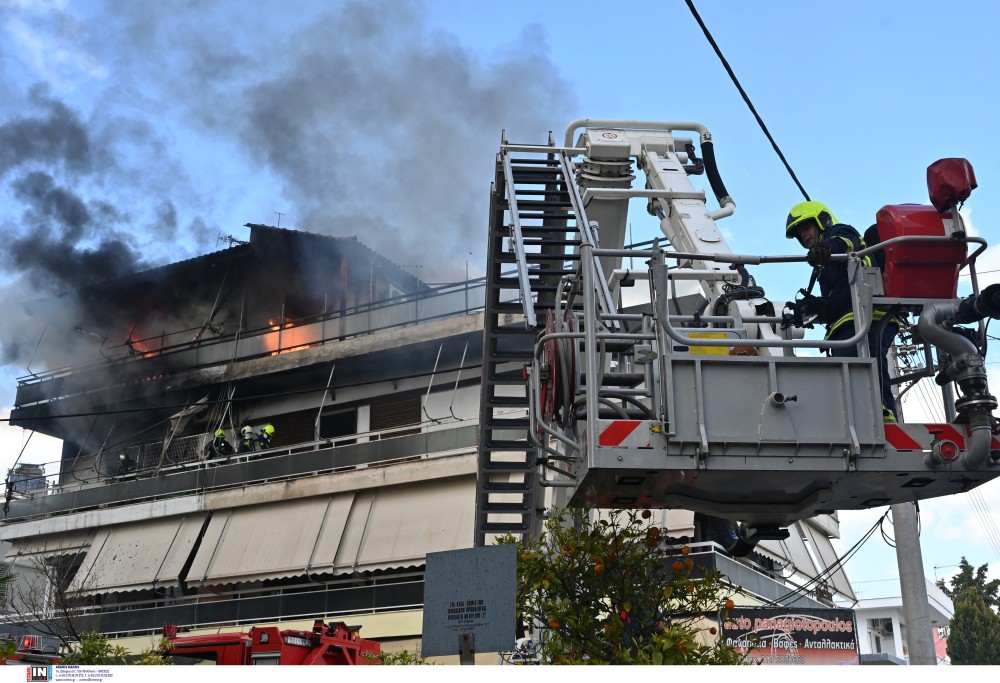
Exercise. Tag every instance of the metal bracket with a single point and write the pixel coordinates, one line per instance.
(702, 455)
(645, 354)
(850, 460)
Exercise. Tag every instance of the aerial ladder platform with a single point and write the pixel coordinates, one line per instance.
(704, 395)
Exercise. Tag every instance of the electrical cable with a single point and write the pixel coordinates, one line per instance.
(889, 541)
(832, 568)
(746, 98)
(31, 433)
(985, 519)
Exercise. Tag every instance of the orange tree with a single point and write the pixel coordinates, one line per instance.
(611, 591)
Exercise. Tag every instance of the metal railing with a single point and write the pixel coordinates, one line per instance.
(183, 469)
(188, 350)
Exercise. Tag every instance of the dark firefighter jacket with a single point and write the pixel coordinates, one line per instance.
(833, 282)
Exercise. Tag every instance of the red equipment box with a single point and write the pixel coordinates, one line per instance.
(919, 270)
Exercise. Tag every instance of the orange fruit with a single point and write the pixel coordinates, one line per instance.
(646, 514)
(730, 604)
(554, 624)
(713, 630)
(677, 566)
(685, 551)
(599, 569)
(689, 563)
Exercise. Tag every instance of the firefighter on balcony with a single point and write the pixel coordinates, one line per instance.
(816, 229)
(264, 437)
(219, 447)
(247, 442)
(126, 465)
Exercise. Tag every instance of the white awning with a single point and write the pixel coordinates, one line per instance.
(404, 524)
(50, 545)
(773, 550)
(828, 556)
(270, 541)
(138, 556)
(796, 551)
(371, 529)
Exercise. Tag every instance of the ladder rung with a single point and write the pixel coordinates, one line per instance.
(497, 527)
(533, 257)
(545, 230)
(505, 507)
(509, 402)
(511, 283)
(537, 193)
(530, 204)
(508, 445)
(549, 241)
(538, 160)
(508, 423)
(507, 487)
(545, 214)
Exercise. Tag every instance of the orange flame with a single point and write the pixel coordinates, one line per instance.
(287, 326)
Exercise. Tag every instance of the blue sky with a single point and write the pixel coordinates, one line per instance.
(136, 133)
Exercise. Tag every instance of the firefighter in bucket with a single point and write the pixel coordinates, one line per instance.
(817, 230)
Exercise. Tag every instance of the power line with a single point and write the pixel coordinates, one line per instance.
(746, 97)
(985, 519)
(833, 567)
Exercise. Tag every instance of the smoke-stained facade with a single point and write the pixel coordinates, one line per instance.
(186, 315)
(368, 376)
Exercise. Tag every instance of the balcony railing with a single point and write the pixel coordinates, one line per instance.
(186, 349)
(96, 480)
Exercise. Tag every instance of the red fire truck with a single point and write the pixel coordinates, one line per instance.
(334, 643)
(33, 649)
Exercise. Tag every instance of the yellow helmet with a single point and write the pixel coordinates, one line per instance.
(267, 429)
(220, 433)
(806, 211)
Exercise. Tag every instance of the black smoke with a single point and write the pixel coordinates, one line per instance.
(71, 214)
(53, 136)
(372, 123)
(356, 120)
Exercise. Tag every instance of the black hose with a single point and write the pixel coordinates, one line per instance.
(712, 170)
(735, 293)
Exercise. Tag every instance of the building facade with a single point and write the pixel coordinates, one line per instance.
(881, 620)
(371, 381)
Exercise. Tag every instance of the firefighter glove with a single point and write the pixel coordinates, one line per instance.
(819, 255)
(788, 315)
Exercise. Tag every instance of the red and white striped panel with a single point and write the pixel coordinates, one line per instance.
(919, 437)
(624, 433)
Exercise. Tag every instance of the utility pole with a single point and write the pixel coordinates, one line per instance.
(912, 582)
(913, 585)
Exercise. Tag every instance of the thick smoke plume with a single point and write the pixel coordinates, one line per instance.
(358, 120)
(370, 123)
